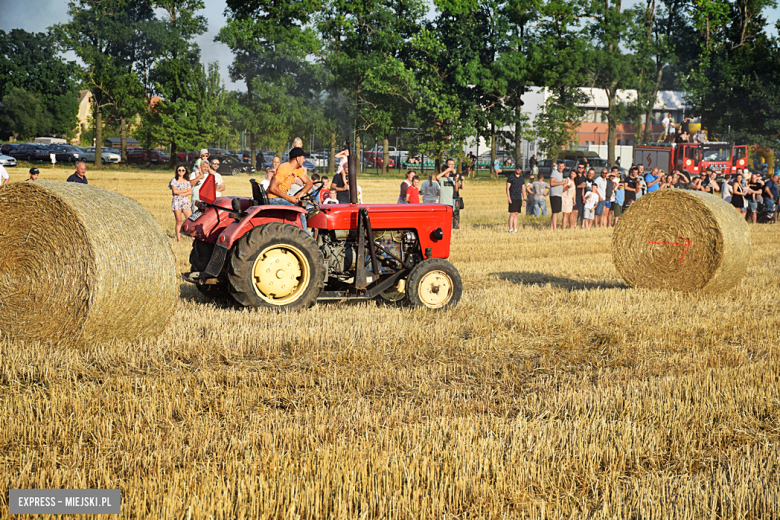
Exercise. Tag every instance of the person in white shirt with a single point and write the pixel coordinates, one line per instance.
(601, 207)
(332, 198)
(218, 182)
(4, 177)
(725, 191)
(591, 200)
(198, 177)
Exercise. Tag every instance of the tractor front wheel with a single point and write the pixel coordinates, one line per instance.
(277, 266)
(434, 284)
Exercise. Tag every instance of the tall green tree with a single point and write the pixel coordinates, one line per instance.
(24, 115)
(365, 50)
(32, 62)
(559, 44)
(177, 73)
(94, 34)
(611, 66)
(271, 43)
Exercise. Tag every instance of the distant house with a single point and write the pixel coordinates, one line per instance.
(85, 101)
(116, 142)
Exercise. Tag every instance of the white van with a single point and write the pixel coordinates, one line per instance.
(50, 140)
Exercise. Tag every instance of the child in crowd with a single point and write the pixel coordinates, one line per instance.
(413, 192)
(332, 198)
(591, 200)
(325, 191)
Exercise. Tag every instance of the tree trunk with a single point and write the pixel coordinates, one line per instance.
(612, 126)
(648, 116)
(492, 150)
(174, 152)
(98, 137)
(385, 155)
(358, 153)
(436, 166)
(123, 139)
(332, 158)
(252, 152)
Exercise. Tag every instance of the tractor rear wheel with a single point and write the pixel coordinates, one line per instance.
(199, 260)
(434, 284)
(277, 266)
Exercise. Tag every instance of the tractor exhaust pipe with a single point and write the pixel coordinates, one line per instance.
(352, 179)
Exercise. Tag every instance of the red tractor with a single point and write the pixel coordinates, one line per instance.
(260, 255)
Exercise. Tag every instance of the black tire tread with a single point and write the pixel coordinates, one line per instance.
(245, 250)
(426, 266)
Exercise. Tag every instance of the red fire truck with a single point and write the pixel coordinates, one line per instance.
(693, 158)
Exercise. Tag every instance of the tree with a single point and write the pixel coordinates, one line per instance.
(558, 47)
(24, 114)
(271, 42)
(366, 53)
(556, 124)
(32, 62)
(177, 75)
(611, 67)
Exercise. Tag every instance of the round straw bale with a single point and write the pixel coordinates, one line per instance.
(81, 264)
(681, 240)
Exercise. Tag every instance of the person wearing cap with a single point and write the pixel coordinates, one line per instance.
(80, 175)
(4, 177)
(284, 178)
(33, 175)
(204, 156)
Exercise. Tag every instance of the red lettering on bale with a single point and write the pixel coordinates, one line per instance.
(686, 243)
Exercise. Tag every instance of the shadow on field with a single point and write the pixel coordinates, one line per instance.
(522, 278)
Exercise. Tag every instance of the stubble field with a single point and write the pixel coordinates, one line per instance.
(551, 391)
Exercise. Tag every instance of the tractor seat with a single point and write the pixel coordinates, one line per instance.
(259, 195)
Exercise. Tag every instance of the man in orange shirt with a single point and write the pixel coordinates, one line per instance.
(284, 178)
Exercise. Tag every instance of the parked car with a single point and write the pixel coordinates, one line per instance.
(186, 158)
(545, 167)
(30, 152)
(306, 163)
(139, 156)
(230, 165)
(7, 160)
(108, 155)
(66, 152)
(8, 147)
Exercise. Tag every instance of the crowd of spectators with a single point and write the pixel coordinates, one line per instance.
(587, 200)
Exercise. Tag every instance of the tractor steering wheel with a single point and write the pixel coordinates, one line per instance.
(313, 196)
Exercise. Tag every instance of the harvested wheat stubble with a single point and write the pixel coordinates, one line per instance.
(681, 240)
(81, 264)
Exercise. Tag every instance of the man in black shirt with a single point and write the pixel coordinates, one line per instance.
(514, 195)
(580, 183)
(80, 175)
(632, 187)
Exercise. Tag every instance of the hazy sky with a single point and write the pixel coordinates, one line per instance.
(37, 15)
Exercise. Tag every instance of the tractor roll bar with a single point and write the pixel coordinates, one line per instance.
(352, 179)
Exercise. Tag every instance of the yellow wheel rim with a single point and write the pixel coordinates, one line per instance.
(435, 289)
(281, 273)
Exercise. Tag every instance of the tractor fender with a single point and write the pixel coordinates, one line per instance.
(257, 216)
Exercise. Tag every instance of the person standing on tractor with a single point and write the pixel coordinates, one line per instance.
(284, 178)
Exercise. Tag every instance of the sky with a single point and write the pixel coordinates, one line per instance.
(37, 15)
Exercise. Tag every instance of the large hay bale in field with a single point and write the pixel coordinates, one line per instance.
(81, 264)
(681, 240)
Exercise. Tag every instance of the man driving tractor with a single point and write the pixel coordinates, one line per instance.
(284, 178)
